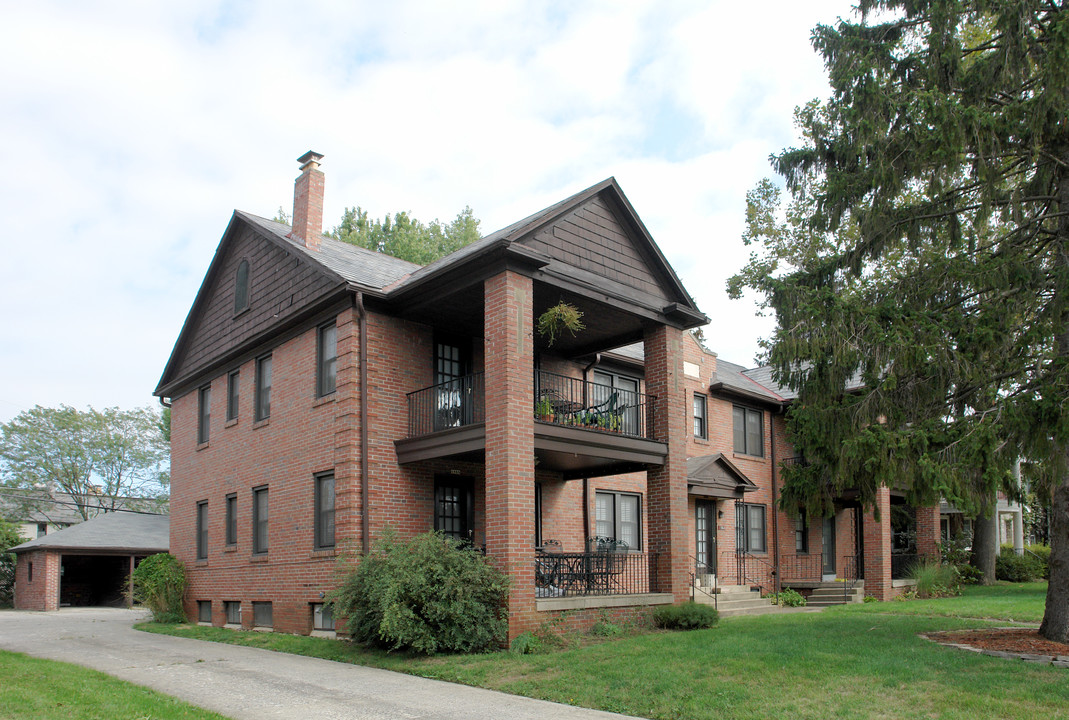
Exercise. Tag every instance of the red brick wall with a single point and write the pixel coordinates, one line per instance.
(878, 548)
(42, 593)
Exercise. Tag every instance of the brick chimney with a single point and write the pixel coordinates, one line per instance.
(308, 201)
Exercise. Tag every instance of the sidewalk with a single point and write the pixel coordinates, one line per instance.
(242, 682)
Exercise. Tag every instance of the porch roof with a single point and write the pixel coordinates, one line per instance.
(716, 476)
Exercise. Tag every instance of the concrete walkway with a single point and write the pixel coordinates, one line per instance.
(242, 682)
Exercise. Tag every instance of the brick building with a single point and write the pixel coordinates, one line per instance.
(323, 393)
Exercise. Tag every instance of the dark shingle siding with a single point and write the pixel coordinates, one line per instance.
(113, 531)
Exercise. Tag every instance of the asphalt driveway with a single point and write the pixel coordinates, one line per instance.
(243, 682)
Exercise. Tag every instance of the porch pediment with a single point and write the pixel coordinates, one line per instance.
(716, 476)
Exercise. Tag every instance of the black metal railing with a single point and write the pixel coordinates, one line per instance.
(451, 404)
(801, 568)
(561, 574)
(564, 400)
(703, 580)
(742, 568)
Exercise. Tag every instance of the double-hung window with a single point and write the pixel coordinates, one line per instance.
(324, 510)
(749, 431)
(326, 359)
(204, 413)
(801, 532)
(232, 519)
(259, 520)
(202, 530)
(232, 395)
(750, 527)
(618, 516)
(263, 388)
(701, 429)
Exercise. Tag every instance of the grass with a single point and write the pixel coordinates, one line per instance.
(49, 690)
(856, 662)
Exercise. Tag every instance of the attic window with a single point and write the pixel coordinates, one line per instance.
(241, 287)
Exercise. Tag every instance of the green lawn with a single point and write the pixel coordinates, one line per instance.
(49, 690)
(857, 662)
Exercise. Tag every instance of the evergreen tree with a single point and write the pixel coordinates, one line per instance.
(924, 320)
(406, 237)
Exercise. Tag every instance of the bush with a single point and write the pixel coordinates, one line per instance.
(791, 598)
(9, 538)
(935, 579)
(526, 644)
(1011, 567)
(429, 594)
(871, 599)
(687, 616)
(1042, 559)
(159, 584)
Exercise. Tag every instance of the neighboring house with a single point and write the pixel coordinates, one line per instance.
(87, 563)
(323, 393)
(40, 512)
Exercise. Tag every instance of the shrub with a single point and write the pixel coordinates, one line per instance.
(159, 584)
(526, 644)
(686, 616)
(935, 579)
(1011, 567)
(791, 598)
(871, 599)
(9, 538)
(429, 594)
(1042, 558)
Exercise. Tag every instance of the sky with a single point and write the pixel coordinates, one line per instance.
(130, 131)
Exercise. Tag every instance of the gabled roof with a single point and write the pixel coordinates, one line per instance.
(112, 532)
(735, 379)
(716, 476)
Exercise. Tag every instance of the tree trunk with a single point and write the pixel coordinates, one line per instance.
(1056, 615)
(985, 543)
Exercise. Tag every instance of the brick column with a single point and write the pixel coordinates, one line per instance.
(928, 531)
(509, 362)
(347, 447)
(878, 548)
(666, 491)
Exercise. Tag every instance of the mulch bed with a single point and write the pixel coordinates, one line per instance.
(1008, 640)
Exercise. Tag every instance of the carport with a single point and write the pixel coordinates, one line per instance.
(87, 564)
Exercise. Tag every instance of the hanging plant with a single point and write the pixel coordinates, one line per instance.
(554, 321)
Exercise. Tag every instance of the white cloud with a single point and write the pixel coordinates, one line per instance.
(131, 130)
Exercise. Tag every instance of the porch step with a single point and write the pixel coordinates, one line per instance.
(835, 594)
(735, 600)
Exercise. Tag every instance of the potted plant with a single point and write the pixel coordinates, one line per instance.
(562, 317)
(544, 410)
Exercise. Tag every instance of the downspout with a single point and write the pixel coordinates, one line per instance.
(587, 369)
(775, 502)
(586, 481)
(365, 511)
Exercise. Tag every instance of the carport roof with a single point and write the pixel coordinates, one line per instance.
(115, 532)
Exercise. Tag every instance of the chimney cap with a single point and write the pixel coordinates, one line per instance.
(310, 158)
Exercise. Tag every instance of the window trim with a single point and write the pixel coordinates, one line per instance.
(616, 496)
(262, 398)
(204, 413)
(743, 529)
(326, 366)
(701, 401)
(260, 545)
(231, 531)
(747, 414)
(233, 399)
(321, 515)
(202, 530)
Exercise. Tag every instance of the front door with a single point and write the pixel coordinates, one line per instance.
(453, 391)
(705, 536)
(453, 506)
(828, 553)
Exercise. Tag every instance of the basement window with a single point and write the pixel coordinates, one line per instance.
(262, 615)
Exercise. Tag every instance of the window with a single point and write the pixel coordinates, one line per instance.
(232, 608)
(263, 388)
(262, 615)
(322, 617)
(749, 431)
(617, 516)
(700, 429)
(232, 395)
(750, 527)
(202, 530)
(324, 510)
(453, 506)
(628, 402)
(801, 532)
(259, 520)
(29, 572)
(538, 514)
(42, 529)
(204, 414)
(241, 287)
(232, 519)
(204, 611)
(327, 360)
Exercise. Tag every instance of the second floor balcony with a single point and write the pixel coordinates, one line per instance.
(581, 428)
